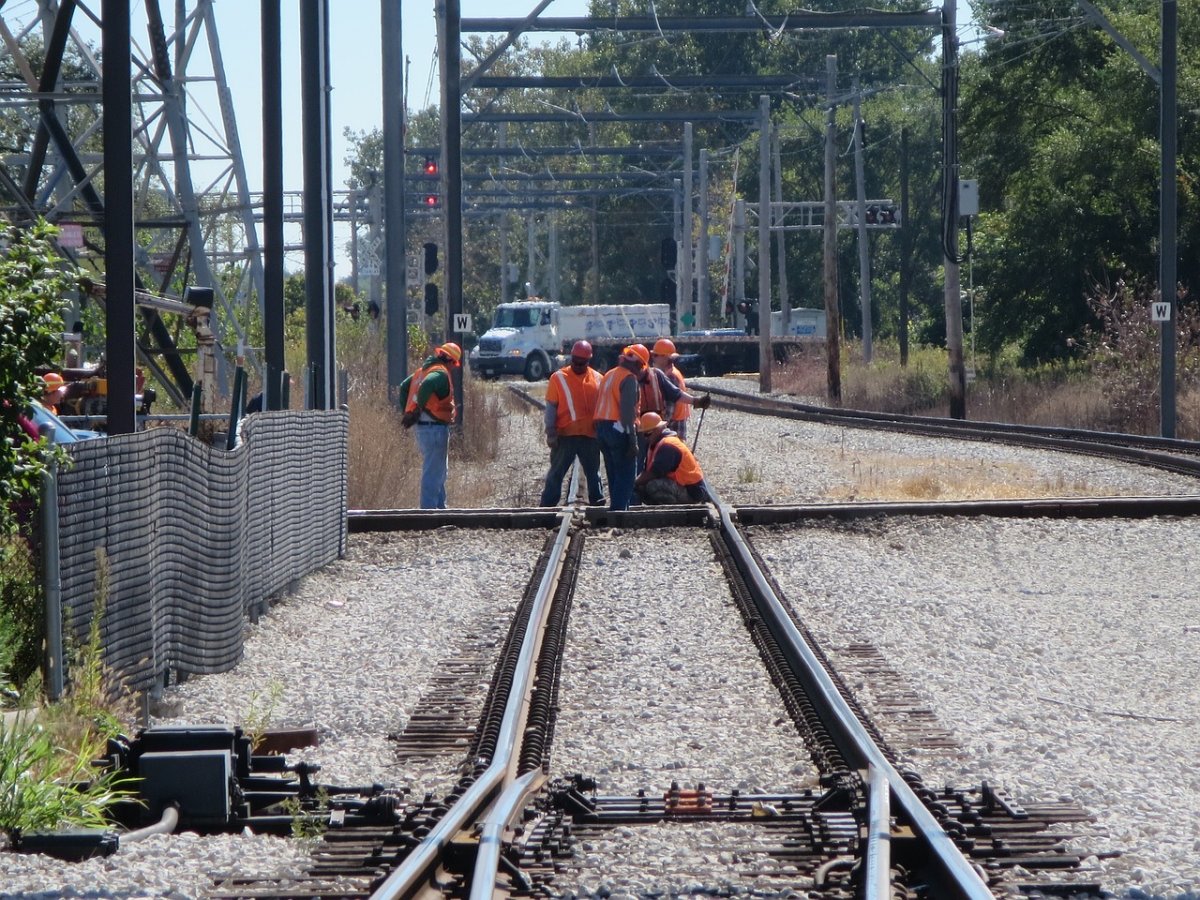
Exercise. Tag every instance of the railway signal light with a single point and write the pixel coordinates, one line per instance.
(431, 166)
(431, 299)
(431, 201)
(431, 258)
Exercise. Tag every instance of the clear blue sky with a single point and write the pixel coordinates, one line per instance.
(354, 29)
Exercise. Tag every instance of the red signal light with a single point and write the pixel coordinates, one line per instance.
(431, 200)
(431, 166)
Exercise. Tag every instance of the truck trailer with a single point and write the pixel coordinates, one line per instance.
(527, 337)
(531, 337)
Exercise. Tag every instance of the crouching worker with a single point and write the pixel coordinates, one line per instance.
(672, 474)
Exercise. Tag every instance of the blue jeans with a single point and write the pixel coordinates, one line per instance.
(434, 443)
(618, 464)
(564, 454)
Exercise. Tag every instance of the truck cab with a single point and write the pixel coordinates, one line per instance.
(523, 340)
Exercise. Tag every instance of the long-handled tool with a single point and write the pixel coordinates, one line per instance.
(699, 425)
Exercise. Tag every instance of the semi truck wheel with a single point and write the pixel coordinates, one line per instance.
(536, 367)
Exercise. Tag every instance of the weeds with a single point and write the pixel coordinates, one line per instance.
(260, 711)
(46, 775)
(749, 474)
(308, 825)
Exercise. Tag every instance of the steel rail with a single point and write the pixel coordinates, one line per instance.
(957, 879)
(1140, 449)
(499, 777)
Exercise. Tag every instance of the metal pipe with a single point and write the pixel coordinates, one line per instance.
(52, 583)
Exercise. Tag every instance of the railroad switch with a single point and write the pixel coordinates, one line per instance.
(680, 802)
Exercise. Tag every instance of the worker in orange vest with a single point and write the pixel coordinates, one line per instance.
(571, 427)
(429, 404)
(616, 417)
(672, 473)
(663, 357)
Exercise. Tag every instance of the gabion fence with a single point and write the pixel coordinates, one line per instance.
(179, 542)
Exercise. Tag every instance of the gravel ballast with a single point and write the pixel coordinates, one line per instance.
(1096, 616)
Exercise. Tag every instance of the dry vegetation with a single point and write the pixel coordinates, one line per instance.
(1073, 396)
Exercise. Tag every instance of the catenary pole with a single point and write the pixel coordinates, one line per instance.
(829, 279)
(686, 246)
(119, 273)
(785, 301)
(765, 358)
(702, 288)
(273, 305)
(395, 235)
(952, 297)
(864, 246)
(1168, 127)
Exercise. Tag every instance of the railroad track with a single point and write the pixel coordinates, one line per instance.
(1168, 454)
(866, 827)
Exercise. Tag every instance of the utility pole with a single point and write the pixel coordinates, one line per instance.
(1168, 127)
(120, 275)
(829, 280)
(905, 247)
(785, 302)
(677, 234)
(272, 141)
(765, 357)
(952, 297)
(702, 290)
(739, 252)
(530, 258)
(451, 57)
(502, 221)
(395, 233)
(686, 248)
(552, 264)
(318, 204)
(864, 246)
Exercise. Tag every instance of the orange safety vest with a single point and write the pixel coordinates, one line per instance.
(608, 399)
(688, 471)
(650, 395)
(680, 411)
(441, 408)
(575, 398)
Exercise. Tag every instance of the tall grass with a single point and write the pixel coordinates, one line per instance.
(1111, 383)
(385, 466)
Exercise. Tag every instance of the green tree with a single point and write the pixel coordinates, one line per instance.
(32, 285)
(1060, 126)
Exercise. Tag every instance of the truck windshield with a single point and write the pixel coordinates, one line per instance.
(515, 318)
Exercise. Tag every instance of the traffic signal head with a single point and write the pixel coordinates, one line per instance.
(431, 299)
(431, 166)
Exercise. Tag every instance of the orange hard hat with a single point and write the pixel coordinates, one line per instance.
(452, 352)
(638, 352)
(664, 347)
(648, 422)
(582, 350)
(52, 380)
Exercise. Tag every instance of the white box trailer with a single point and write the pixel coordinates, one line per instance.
(527, 337)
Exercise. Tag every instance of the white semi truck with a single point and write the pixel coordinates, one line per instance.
(527, 337)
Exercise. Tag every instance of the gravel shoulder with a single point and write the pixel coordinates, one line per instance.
(1062, 655)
